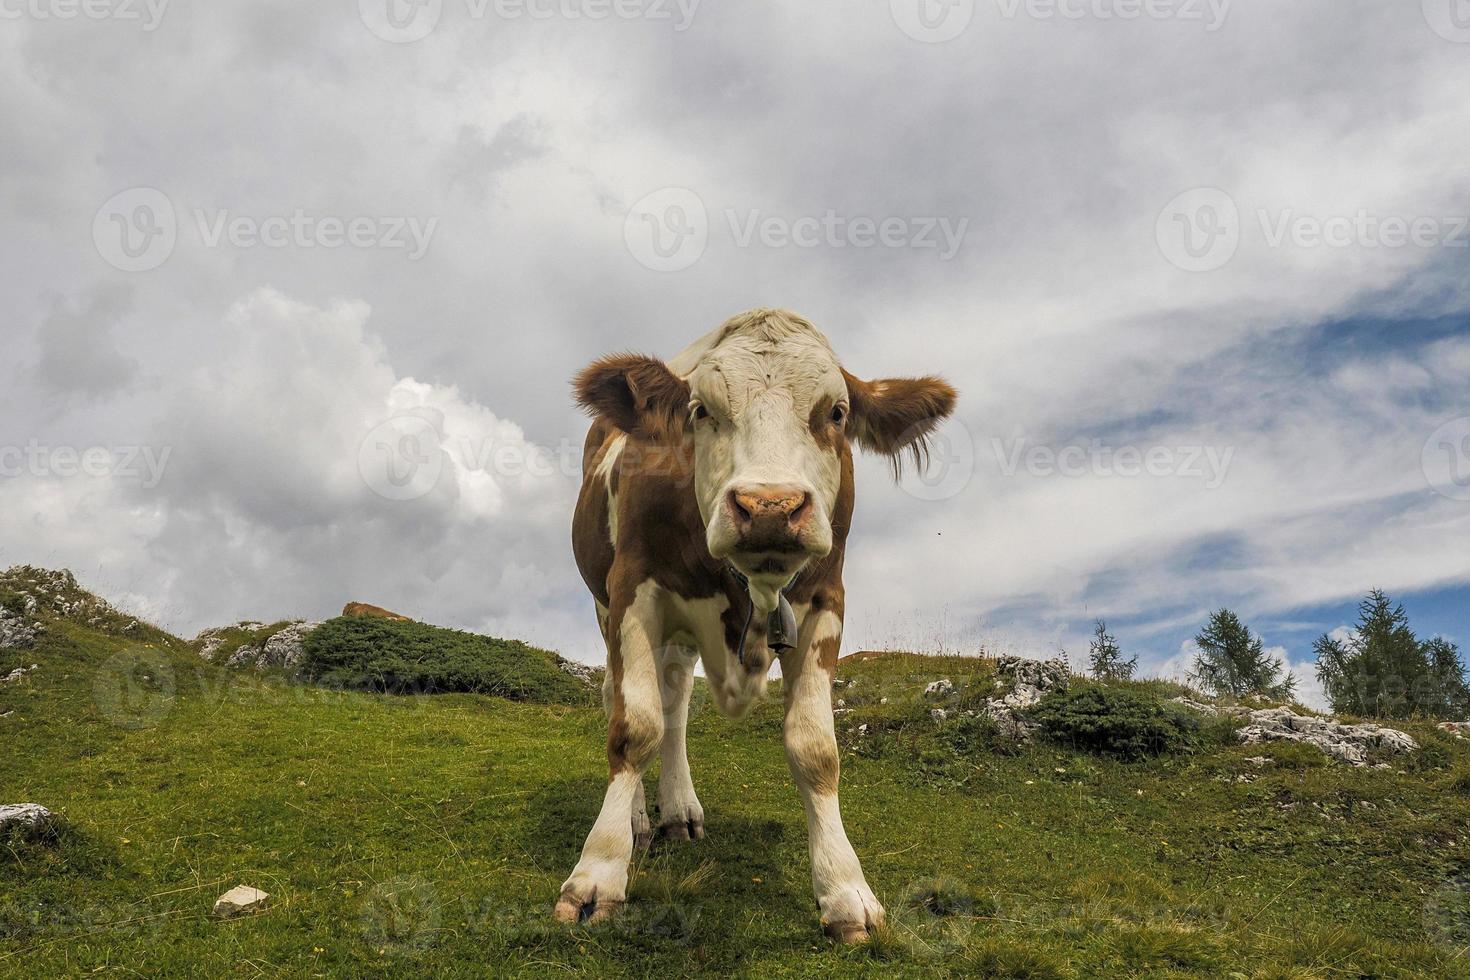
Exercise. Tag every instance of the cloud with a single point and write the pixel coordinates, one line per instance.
(1320, 369)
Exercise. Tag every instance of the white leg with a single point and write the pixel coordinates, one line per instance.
(847, 904)
(642, 826)
(599, 883)
(680, 815)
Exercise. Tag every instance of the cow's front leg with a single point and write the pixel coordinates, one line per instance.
(848, 906)
(680, 815)
(599, 883)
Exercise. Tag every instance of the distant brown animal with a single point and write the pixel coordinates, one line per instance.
(371, 612)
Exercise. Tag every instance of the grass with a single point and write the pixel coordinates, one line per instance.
(428, 835)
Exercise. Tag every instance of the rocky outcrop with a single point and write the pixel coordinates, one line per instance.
(1352, 744)
(1459, 729)
(210, 641)
(17, 631)
(283, 648)
(44, 593)
(580, 671)
(1029, 681)
(18, 673)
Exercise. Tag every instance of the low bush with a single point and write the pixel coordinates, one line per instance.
(414, 658)
(1117, 721)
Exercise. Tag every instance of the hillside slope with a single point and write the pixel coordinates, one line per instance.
(429, 835)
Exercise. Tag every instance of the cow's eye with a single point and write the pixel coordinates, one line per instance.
(699, 412)
(839, 414)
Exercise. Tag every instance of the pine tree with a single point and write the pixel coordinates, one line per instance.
(1383, 670)
(1105, 659)
(1233, 662)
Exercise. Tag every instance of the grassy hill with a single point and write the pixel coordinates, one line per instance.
(428, 835)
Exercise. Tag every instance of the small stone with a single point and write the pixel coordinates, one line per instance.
(882, 700)
(239, 900)
(841, 703)
(1261, 760)
(939, 688)
(862, 729)
(25, 816)
(938, 714)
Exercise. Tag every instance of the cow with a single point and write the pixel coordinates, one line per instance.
(711, 525)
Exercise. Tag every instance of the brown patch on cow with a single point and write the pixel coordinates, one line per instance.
(897, 414)
(364, 610)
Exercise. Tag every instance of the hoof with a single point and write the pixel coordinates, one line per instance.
(847, 933)
(683, 830)
(572, 909)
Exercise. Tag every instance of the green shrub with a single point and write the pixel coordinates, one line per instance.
(1116, 721)
(414, 658)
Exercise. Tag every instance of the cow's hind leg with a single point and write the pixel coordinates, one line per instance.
(848, 907)
(599, 883)
(680, 815)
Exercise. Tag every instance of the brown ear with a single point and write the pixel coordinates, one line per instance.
(895, 414)
(635, 393)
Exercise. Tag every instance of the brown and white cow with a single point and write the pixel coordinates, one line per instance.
(717, 495)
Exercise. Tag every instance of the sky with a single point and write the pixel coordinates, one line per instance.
(292, 294)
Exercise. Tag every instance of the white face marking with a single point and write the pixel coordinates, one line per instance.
(753, 394)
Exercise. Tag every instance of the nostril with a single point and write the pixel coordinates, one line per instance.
(801, 510)
(738, 509)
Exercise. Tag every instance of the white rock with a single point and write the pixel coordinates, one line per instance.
(239, 900)
(939, 688)
(31, 816)
(938, 714)
(1346, 743)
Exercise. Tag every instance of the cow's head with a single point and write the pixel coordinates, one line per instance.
(771, 414)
